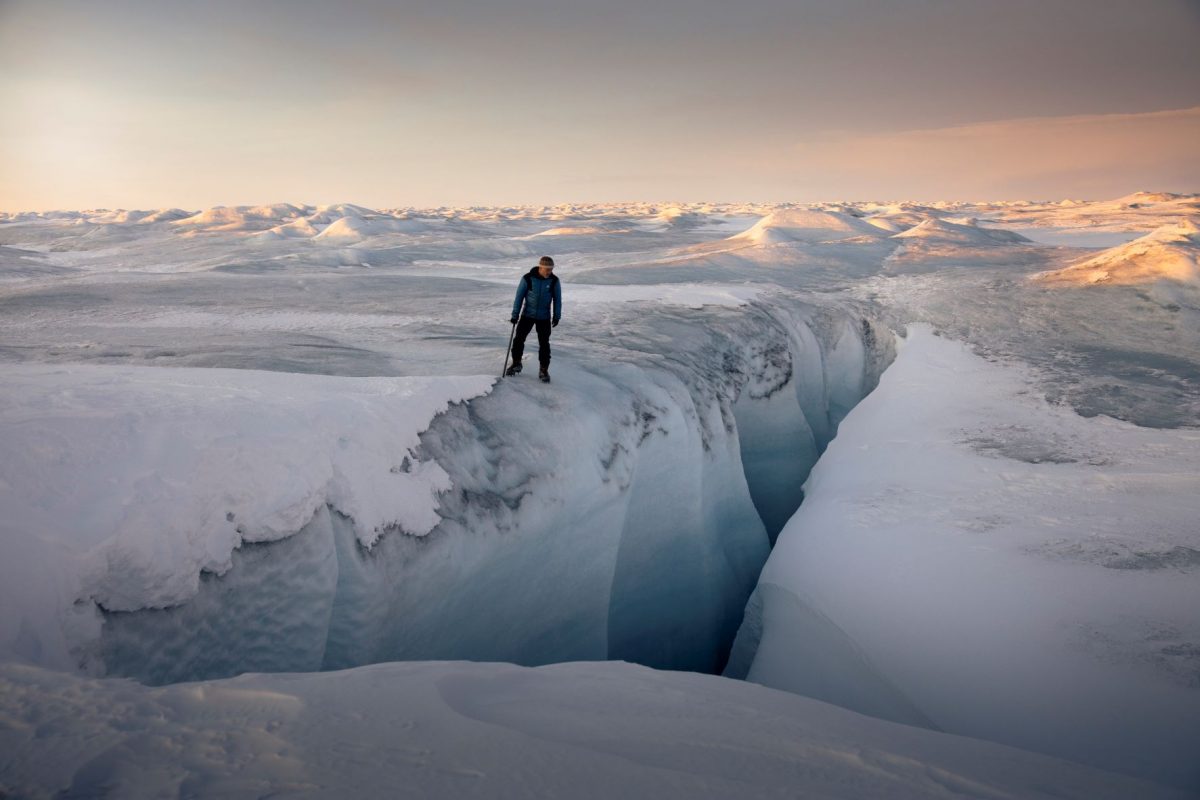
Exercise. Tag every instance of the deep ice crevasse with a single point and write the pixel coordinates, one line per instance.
(618, 515)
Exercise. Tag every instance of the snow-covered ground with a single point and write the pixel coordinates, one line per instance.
(270, 439)
(973, 559)
(456, 729)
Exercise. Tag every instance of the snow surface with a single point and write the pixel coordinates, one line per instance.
(129, 482)
(972, 559)
(439, 729)
(1018, 549)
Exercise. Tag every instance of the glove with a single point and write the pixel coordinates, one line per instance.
(513, 321)
(554, 324)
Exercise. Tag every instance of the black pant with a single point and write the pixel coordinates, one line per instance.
(543, 334)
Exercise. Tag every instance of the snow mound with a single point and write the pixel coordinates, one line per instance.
(31, 216)
(943, 231)
(904, 207)
(676, 217)
(297, 228)
(1141, 198)
(897, 217)
(324, 215)
(805, 225)
(577, 230)
(354, 228)
(120, 217)
(141, 217)
(165, 215)
(1168, 253)
(240, 218)
(893, 225)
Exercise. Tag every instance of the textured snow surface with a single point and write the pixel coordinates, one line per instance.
(444, 729)
(972, 559)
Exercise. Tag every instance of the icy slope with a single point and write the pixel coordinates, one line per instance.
(973, 559)
(494, 730)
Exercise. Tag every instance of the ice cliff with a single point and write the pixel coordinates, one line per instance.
(271, 522)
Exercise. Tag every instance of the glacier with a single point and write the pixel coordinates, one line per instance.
(267, 442)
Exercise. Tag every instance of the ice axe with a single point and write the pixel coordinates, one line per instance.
(508, 350)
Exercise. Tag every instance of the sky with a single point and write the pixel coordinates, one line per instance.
(139, 104)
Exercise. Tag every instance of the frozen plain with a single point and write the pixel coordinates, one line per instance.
(224, 454)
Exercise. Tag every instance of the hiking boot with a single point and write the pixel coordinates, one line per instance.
(544, 375)
(513, 370)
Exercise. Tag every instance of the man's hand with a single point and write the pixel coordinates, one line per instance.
(554, 324)
(513, 321)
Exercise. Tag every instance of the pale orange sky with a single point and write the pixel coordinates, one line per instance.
(137, 104)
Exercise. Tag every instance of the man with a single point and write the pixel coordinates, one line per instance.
(541, 295)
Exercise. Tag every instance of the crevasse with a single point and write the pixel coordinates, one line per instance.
(623, 513)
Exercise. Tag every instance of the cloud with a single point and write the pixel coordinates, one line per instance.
(1040, 156)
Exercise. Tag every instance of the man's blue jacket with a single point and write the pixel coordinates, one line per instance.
(538, 294)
